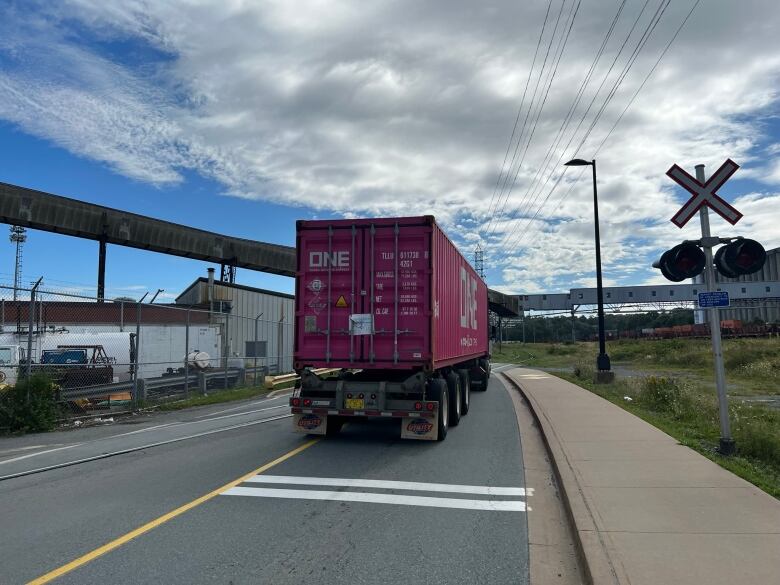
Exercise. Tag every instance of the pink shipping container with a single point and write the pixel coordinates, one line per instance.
(394, 307)
(403, 276)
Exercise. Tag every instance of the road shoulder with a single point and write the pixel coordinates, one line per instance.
(553, 554)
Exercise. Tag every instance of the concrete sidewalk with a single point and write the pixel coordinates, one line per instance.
(646, 509)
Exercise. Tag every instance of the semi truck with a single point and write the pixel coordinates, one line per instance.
(401, 316)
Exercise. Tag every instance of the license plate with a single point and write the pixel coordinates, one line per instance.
(355, 403)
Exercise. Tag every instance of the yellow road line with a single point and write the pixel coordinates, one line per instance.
(108, 547)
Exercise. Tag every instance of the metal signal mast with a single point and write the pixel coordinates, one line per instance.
(18, 236)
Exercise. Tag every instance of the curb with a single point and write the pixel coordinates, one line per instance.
(592, 549)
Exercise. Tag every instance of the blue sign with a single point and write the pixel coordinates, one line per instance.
(718, 298)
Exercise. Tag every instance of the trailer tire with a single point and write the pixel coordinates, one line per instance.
(455, 391)
(437, 391)
(465, 391)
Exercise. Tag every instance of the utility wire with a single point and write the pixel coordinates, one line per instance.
(519, 111)
(530, 108)
(621, 77)
(569, 115)
(559, 51)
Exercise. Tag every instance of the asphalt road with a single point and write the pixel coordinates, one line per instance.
(335, 511)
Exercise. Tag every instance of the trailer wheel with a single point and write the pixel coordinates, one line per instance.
(465, 391)
(437, 389)
(482, 375)
(455, 390)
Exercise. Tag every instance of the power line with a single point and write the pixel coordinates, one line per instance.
(570, 113)
(621, 77)
(559, 51)
(519, 111)
(530, 107)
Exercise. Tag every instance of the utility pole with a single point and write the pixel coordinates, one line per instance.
(18, 236)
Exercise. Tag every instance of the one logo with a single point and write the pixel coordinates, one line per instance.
(309, 422)
(315, 285)
(323, 259)
(419, 427)
(468, 300)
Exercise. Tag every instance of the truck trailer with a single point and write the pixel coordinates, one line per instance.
(392, 307)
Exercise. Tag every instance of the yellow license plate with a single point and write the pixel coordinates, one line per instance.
(355, 403)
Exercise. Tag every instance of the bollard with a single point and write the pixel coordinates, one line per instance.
(202, 382)
(139, 391)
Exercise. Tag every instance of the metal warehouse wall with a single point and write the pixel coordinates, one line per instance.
(768, 310)
(275, 326)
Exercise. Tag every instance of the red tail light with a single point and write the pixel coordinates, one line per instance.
(296, 401)
(307, 401)
(430, 405)
(418, 405)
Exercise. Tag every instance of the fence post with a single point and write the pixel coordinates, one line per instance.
(227, 348)
(202, 382)
(137, 349)
(31, 324)
(186, 355)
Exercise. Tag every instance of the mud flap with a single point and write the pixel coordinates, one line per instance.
(310, 424)
(424, 429)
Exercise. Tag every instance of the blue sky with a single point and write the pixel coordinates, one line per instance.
(243, 117)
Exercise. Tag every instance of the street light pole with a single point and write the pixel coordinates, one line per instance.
(603, 367)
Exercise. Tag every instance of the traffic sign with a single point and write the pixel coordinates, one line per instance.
(704, 194)
(716, 298)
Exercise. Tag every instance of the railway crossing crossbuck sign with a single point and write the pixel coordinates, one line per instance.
(704, 193)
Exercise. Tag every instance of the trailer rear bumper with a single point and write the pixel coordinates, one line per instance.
(414, 424)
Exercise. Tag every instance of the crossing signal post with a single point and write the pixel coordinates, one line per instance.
(739, 256)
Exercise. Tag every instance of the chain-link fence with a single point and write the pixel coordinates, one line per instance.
(115, 354)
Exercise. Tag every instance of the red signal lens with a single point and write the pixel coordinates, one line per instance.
(418, 405)
(430, 405)
(307, 401)
(296, 401)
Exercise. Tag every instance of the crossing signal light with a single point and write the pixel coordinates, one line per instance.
(740, 257)
(684, 261)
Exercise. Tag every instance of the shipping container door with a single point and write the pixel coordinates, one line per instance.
(397, 276)
(327, 289)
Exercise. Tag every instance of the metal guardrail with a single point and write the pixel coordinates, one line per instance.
(156, 385)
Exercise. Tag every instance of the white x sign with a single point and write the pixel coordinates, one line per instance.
(704, 194)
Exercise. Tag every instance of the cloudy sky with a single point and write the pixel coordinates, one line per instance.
(243, 116)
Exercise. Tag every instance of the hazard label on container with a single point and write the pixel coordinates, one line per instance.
(341, 303)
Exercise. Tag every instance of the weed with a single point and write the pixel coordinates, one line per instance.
(29, 406)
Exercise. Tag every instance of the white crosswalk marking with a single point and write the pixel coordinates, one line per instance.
(493, 505)
(390, 484)
(346, 495)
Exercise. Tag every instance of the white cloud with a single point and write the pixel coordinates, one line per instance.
(406, 108)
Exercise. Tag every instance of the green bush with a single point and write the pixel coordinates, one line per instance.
(39, 413)
(666, 395)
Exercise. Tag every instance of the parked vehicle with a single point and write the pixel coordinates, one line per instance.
(403, 316)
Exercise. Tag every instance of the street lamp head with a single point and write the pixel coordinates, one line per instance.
(578, 162)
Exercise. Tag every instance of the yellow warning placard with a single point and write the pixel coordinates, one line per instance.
(342, 302)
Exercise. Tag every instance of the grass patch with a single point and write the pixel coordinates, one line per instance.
(681, 409)
(220, 396)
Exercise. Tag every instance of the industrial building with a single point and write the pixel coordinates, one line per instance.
(256, 323)
(746, 310)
